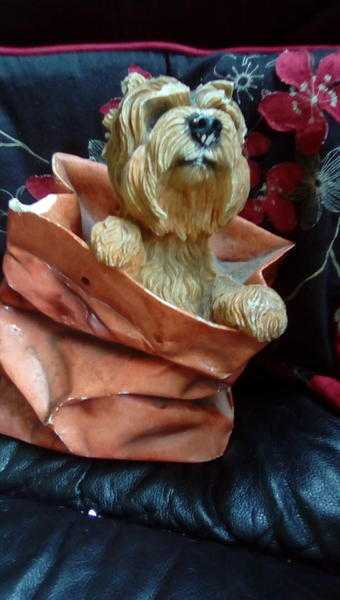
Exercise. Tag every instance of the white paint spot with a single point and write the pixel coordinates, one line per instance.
(39, 208)
(15, 328)
(296, 107)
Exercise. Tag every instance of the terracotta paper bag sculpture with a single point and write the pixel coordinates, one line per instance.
(134, 296)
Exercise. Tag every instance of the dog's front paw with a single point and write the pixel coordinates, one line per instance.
(254, 309)
(117, 243)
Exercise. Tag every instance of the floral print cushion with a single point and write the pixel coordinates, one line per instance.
(277, 488)
(55, 101)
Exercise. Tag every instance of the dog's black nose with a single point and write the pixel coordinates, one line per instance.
(204, 129)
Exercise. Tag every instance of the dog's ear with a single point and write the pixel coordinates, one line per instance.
(109, 118)
(219, 84)
(132, 81)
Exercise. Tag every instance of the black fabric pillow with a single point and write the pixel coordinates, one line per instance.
(277, 488)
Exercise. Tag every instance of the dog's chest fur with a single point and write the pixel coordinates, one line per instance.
(181, 273)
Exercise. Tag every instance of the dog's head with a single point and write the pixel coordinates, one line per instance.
(175, 156)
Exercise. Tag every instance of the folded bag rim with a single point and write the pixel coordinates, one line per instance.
(28, 230)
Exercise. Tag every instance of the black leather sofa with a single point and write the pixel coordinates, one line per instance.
(263, 521)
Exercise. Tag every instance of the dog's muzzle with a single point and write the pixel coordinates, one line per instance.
(204, 129)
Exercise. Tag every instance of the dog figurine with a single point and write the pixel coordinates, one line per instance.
(175, 161)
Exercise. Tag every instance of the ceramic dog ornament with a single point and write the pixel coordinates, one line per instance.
(175, 160)
(134, 295)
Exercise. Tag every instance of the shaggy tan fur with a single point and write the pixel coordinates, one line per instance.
(174, 194)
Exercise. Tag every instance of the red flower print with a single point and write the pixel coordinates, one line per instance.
(113, 103)
(328, 387)
(273, 202)
(40, 186)
(253, 211)
(301, 109)
(138, 69)
(255, 145)
(282, 181)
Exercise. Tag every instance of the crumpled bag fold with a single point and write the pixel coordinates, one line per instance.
(93, 363)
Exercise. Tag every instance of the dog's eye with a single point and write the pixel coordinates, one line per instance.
(155, 113)
(155, 117)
